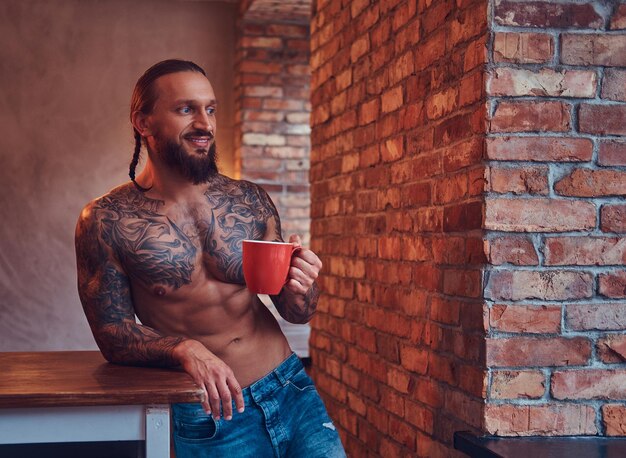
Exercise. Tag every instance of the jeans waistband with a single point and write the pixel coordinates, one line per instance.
(274, 380)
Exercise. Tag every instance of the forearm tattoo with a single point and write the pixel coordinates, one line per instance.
(294, 310)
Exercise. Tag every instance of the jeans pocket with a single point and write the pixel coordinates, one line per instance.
(196, 429)
(301, 382)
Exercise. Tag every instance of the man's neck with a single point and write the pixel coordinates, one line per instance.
(168, 185)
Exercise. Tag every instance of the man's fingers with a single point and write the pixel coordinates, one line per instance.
(214, 400)
(235, 389)
(227, 400)
(205, 401)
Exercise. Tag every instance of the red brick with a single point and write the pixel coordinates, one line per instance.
(545, 82)
(287, 30)
(603, 316)
(613, 218)
(547, 14)
(518, 180)
(612, 348)
(392, 149)
(463, 217)
(612, 153)
(517, 385)
(614, 419)
(523, 48)
(515, 250)
(618, 19)
(592, 183)
(460, 282)
(538, 351)
(614, 84)
(414, 359)
(471, 89)
(593, 49)
(459, 127)
(584, 251)
(451, 188)
(531, 117)
(441, 103)
(533, 319)
(392, 99)
(539, 149)
(262, 42)
(359, 48)
(613, 284)
(589, 384)
(538, 215)
(249, 66)
(547, 285)
(540, 420)
(464, 154)
(603, 119)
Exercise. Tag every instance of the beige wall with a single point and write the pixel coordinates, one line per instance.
(67, 69)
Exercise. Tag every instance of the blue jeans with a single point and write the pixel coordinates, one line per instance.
(284, 417)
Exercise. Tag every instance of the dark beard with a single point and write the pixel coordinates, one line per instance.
(197, 168)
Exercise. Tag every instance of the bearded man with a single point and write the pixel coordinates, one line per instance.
(166, 248)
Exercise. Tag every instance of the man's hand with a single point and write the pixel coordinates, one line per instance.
(297, 300)
(213, 376)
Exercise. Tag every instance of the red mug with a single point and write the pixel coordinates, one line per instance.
(266, 265)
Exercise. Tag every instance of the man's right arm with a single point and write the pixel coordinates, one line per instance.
(104, 291)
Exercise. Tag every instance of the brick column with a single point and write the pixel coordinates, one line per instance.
(555, 219)
(272, 121)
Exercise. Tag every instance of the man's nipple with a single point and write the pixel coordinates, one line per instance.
(159, 291)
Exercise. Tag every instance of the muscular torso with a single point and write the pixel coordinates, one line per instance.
(184, 264)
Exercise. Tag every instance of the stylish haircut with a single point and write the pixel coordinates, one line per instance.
(144, 97)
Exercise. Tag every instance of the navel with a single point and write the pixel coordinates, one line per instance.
(159, 291)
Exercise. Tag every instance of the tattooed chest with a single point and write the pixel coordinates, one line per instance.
(165, 254)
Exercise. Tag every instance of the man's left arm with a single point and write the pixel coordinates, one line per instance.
(297, 301)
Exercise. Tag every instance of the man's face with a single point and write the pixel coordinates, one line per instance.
(183, 125)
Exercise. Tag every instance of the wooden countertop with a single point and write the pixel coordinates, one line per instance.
(80, 378)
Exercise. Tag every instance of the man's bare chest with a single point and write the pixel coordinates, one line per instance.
(171, 247)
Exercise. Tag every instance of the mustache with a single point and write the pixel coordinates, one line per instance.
(200, 133)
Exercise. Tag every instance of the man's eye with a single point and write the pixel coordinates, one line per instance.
(210, 110)
(184, 110)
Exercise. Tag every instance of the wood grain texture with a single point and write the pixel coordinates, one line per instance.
(80, 378)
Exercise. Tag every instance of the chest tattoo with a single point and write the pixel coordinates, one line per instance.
(157, 251)
(147, 243)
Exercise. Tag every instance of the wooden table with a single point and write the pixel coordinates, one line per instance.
(76, 396)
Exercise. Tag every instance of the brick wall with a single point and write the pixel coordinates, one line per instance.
(555, 219)
(398, 130)
(272, 121)
(467, 173)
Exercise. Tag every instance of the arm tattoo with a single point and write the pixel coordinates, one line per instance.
(294, 311)
(105, 293)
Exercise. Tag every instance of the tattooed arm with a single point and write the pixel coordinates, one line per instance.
(104, 291)
(297, 301)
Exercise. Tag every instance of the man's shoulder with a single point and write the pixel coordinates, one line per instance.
(123, 198)
(223, 183)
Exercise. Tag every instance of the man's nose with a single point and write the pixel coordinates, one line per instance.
(204, 121)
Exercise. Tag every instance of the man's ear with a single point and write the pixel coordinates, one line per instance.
(141, 124)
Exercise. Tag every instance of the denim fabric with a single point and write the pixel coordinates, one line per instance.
(284, 417)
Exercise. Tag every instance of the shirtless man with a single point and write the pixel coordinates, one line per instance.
(166, 247)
